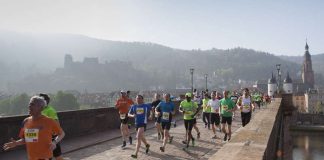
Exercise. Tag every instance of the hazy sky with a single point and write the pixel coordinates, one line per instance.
(275, 26)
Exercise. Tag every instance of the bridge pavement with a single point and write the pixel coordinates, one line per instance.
(204, 148)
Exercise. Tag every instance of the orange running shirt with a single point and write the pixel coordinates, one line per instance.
(38, 136)
(123, 105)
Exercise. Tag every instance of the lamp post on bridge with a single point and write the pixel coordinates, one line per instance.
(206, 76)
(191, 72)
(279, 78)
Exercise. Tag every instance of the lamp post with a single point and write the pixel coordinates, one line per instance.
(206, 75)
(191, 72)
(279, 77)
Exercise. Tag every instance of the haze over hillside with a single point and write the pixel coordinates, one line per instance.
(29, 61)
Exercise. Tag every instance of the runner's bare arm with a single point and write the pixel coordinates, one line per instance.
(58, 138)
(13, 143)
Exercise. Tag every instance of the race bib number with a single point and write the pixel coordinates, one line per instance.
(122, 116)
(31, 135)
(225, 107)
(139, 110)
(165, 115)
(188, 113)
(205, 107)
(246, 107)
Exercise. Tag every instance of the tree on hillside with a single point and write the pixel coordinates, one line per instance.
(15, 105)
(65, 101)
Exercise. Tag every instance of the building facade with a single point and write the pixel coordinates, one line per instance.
(314, 101)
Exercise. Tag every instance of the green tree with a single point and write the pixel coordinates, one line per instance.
(15, 105)
(65, 101)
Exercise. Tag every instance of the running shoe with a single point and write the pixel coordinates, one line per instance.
(170, 140)
(147, 148)
(124, 144)
(193, 142)
(162, 149)
(130, 140)
(225, 137)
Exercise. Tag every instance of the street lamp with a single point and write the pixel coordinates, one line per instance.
(191, 72)
(206, 75)
(279, 77)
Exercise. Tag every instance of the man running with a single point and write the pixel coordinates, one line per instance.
(123, 104)
(227, 109)
(166, 110)
(37, 131)
(157, 117)
(198, 101)
(234, 98)
(50, 112)
(257, 99)
(245, 104)
(206, 111)
(189, 110)
(140, 112)
(213, 104)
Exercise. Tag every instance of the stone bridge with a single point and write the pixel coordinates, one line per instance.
(94, 135)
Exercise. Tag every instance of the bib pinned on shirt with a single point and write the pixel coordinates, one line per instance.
(165, 115)
(122, 116)
(31, 135)
(139, 110)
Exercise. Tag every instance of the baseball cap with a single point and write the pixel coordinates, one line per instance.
(188, 94)
(122, 91)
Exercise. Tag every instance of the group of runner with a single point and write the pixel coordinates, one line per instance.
(162, 111)
(41, 131)
(218, 111)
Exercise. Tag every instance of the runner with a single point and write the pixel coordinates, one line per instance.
(234, 98)
(213, 103)
(123, 104)
(157, 117)
(140, 112)
(166, 110)
(36, 132)
(199, 103)
(258, 98)
(245, 104)
(227, 109)
(50, 112)
(189, 110)
(206, 111)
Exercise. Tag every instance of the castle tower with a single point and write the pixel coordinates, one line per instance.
(272, 86)
(307, 72)
(288, 85)
(68, 61)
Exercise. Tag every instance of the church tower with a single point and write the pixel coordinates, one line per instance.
(307, 73)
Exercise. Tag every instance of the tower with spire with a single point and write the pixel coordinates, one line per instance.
(272, 85)
(307, 71)
(288, 85)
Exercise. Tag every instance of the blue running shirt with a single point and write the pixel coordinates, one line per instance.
(141, 113)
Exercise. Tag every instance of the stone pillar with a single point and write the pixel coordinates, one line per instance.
(287, 109)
